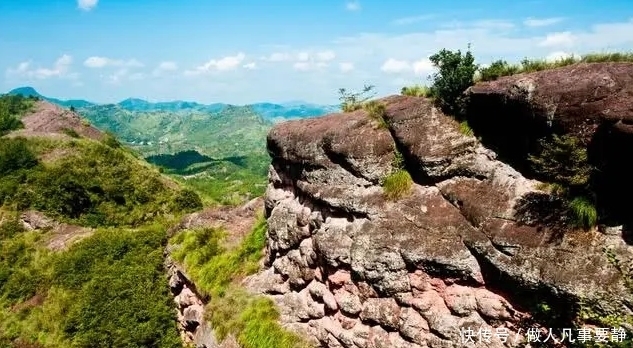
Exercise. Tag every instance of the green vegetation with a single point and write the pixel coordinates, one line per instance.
(102, 292)
(563, 160)
(352, 101)
(225, 132)
(465, 129)
(253, 320)
(501, 68)
(93, 184)
(226, 181)
(377, 112)
(397, 184)
(12, 107)
(417, 91)
(455, 74)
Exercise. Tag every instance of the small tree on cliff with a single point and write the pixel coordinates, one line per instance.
(455, 75)
(352, 101)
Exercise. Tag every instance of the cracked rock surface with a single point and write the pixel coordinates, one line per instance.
(352, 269)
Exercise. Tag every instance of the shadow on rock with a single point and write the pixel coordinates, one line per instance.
(543, 210)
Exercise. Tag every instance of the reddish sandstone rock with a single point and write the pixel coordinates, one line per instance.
(455, 251)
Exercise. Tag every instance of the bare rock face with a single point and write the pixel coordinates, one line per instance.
(590, 101)
(353, 269)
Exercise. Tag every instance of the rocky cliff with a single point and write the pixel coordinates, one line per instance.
(464, 248)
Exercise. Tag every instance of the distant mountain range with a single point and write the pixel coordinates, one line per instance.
(269, 111)
(168, 128)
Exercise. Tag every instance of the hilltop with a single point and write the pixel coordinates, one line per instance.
(228, 140)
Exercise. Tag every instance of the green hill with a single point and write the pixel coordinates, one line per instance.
(82, 232)
(228, 141)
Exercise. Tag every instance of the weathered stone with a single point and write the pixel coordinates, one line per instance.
(459, 248)
(412, 325)
(347, 302)
(382, 311)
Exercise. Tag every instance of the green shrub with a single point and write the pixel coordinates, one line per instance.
(397, 184)
(92, 185)
(416, 91)
(398, 160)
(15, 155)
(497, 69)
(9, 123)
(376, 111)
(563, 160)
(352, 101)
(187, 200)
(455, 74)
(11, 108)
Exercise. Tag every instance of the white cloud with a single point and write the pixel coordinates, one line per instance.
(326, 56)
(413, 19)
(562, 39)
(419, 67)
(87, 5)
(277, 57)
(559, 55)
(303, 56)
(165, 68)
(542, 22)
(395, 66)
(346, 67)
(222, 64)
(168, 66)
(101, 62)
(302, 66)
(60, 68)
(250, 66)
(352, 6)
(486, 24)
(423, 67)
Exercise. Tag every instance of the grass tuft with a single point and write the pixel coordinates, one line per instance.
(376, 111)
(417, 91)
(583, 212)
(465, 129)
(397, 184)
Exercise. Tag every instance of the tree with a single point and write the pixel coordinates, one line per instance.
(354, 101)
(455, 75)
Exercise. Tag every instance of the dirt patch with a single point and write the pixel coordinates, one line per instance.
(55, 154)
(34, 301)
(237, 221)
(59, 236)
(47, 118)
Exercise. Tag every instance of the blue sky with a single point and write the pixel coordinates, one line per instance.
(249, 51)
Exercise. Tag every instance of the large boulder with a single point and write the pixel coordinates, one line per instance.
(590, 101)
(458, 251)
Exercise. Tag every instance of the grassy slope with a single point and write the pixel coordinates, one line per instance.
(253, 320)
(232, 131)
(231, 163)
(107, 290)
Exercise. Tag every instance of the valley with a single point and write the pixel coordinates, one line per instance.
(218, 149)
